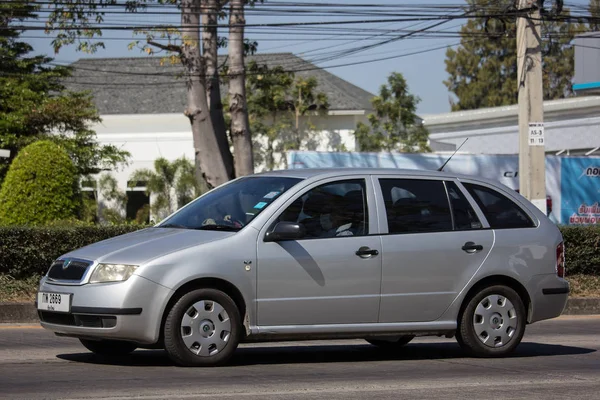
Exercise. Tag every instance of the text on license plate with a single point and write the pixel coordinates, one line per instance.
(54, 302)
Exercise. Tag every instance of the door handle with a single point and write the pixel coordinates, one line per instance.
(471, 247)
(366, 252)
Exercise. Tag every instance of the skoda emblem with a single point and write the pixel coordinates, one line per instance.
(66, 264)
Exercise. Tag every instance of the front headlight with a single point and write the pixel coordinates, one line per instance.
(112, 273)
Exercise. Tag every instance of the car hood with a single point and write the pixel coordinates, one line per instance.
(141, 246)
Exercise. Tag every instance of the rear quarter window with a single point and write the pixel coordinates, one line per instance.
(500, 211)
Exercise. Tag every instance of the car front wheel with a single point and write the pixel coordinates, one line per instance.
(493, 322)
(203, 328)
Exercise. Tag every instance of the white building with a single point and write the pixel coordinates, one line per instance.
(572, 127)
(141, 103)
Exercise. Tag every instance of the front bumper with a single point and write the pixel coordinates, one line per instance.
(130, 310)
(549, 295)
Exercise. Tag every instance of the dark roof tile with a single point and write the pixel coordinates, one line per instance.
(141, 85)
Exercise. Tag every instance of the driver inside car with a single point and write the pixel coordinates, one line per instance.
(336, 222)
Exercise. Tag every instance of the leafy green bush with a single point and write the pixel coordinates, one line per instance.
(41, 186)
(29, 251)
(582, 249)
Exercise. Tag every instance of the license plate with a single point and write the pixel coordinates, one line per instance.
(59, 302)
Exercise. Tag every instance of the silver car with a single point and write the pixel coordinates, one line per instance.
(383, 255)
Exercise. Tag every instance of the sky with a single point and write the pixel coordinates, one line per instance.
(424, 72)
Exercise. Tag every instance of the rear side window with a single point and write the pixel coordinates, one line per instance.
(416, 206)
(500, 211)
(464, 215)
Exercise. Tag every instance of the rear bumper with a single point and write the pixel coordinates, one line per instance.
(130, 310)
(549, 295)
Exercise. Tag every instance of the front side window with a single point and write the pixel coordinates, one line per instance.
(499, 210)
(464, 215)
(416, 206)
(231, 207)
(331, 210)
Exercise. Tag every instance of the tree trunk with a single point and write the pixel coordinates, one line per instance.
(240, 125)
(209, 159)
(213, 92)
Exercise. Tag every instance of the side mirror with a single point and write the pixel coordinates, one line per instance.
(285, 231)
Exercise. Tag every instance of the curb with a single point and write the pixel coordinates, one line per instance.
(19, 313)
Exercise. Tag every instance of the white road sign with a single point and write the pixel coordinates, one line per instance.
(536, 134)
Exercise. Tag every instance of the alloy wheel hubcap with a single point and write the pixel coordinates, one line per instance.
(205, 328)
(495, 321)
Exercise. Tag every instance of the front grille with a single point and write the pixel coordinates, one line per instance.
(74, 271)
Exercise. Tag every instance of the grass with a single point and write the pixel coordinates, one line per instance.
(17, 290)
(14, 290)
(584, 285)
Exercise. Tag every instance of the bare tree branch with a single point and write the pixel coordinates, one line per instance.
(167, 47)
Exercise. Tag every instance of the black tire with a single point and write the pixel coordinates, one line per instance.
(109, 348)
(472, 343)
(173, 331)
(391, 344)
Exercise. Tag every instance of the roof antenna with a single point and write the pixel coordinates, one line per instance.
(449, 158)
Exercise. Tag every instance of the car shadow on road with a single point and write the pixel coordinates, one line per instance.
(290, 353)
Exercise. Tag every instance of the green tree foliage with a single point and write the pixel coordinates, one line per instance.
(305, 103)
(112, 210)
(34, 104)
(394, 126)
(280, 109)
(268, 109)
(173, 185)
(594, 23)
(483, 69)
(41, 186)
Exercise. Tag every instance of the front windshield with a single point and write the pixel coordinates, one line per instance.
(231, 207)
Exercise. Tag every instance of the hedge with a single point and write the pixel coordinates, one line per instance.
(28, 251)
(582, 249)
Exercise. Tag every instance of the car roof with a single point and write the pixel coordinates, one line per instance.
(307, 173)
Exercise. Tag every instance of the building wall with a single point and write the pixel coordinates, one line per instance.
(148, 137)
(569, 135)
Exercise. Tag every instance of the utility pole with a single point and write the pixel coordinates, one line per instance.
(532, 155)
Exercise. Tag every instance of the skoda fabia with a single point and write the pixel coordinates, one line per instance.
(383, 255)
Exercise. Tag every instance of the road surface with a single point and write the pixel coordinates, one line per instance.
(558, 359)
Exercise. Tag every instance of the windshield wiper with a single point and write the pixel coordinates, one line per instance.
(217, 227)
(173, 226)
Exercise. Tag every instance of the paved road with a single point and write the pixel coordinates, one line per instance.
(558, 359)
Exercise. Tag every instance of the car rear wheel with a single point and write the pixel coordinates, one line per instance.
(493, 322)
(391, 344)
(203, 328)
(108, 348)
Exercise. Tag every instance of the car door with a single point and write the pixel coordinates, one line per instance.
(333, 274)
(434, 245)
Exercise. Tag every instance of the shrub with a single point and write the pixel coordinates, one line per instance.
(41, 186)
(29, 251)
(582, 249)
